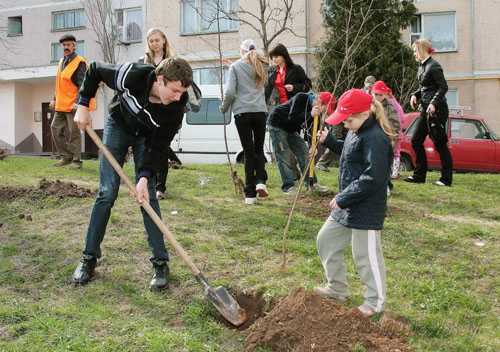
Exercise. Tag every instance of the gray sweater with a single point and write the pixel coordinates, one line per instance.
(241, 92)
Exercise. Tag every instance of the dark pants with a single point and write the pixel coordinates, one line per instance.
(162, 174)
(118, 141)
(251, 128)
(417, 142)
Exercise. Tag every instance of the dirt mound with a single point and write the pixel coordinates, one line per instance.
(304, 321)
(3, 153)
(46, 188)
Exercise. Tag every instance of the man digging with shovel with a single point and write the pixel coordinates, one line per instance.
(145, 114)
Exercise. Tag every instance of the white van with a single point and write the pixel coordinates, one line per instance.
(200, 140)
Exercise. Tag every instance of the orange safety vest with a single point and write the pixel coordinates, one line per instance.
(66, 91)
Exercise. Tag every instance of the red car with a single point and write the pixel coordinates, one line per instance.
(473, 145)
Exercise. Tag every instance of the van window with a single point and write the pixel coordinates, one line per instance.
(209, 114)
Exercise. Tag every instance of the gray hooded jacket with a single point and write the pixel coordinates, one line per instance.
(241, 92)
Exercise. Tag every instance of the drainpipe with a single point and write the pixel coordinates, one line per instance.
(308, 20)
(473, 15)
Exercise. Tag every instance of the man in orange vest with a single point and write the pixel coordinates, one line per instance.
(69, 78)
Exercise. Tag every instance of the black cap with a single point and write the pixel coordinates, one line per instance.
(67, 37)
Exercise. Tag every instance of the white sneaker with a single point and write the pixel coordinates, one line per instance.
(261, 190)
(319, 188)
(388, 191)
(291, 191)
(322, 168)
(160, 195)
(250, 201)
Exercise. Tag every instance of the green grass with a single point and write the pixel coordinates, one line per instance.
(437, 277)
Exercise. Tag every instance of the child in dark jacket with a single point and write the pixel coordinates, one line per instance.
(358, 209)
(145, 114)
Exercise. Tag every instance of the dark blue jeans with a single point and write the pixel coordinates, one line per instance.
(252, 131)
(118, 141)
(285, 143)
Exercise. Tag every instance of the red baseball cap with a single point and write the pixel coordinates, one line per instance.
(327, 98)
(351, 102)
(381, 88)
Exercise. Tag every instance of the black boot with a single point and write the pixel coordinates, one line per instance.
(161, 275)
(85, 270)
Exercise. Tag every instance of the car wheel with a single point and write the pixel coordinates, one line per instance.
(405, 164)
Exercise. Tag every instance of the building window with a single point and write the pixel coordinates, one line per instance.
(129, 23)
(452, 97)
(439, 28)
(15, 26)
(57, 51)
(209, 114)
(68, 19)
(200, 16)
(208, 76)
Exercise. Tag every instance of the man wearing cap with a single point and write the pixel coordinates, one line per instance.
(369, 82)
(284, 123)
(69, 78)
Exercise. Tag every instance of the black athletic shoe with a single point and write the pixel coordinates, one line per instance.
(85, 270)
(161, 276)
(412, 179)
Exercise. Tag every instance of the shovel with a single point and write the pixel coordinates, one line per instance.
(219, 297)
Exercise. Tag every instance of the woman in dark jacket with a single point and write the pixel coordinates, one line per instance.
(431, 93)
(286, 77)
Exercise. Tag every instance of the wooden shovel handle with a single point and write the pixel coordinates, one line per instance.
(313, 146)
(163, 228)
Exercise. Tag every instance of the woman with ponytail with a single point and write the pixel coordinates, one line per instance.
(431, 93)
(358, 210)
(157, 47)
(245, 95)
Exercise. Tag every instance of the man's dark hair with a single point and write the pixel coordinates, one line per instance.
(280, 50)
(175, 69)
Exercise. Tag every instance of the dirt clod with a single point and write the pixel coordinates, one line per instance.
(304, 321)
(46, 188)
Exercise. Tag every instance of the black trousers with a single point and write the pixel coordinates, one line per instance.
(162, 174)
(417, 142)
(251, 128)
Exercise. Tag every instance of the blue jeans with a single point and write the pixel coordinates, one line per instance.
(118, 141)
(285, 143)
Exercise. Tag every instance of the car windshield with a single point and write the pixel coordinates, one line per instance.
(493, 134)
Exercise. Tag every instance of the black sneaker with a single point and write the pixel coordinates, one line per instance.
(412, 179)
(85, 270)
(161, 275)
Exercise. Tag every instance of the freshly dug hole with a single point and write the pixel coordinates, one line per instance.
(254, 305)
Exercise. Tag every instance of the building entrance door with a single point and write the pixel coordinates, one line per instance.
(47, 142)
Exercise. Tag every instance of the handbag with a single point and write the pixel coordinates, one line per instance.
(436, 130)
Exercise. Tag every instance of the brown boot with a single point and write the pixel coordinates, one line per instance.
(75, 165)
(61, 162)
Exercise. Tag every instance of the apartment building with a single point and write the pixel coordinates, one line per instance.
(29, 58)
(464, 33)
(192, 31)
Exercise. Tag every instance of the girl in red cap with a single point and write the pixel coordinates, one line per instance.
(380, 92)
(358, 210)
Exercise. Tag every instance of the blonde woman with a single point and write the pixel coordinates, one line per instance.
(245, 95)
(158, 47)
(431, 94)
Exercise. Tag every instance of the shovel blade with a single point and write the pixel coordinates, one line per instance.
(226, 305)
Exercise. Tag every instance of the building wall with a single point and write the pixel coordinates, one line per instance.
(474, 69)
(7, 110)
(202, 49)
(27, 74)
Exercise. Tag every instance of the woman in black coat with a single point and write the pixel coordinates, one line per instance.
(431, 94)
(286, 77)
